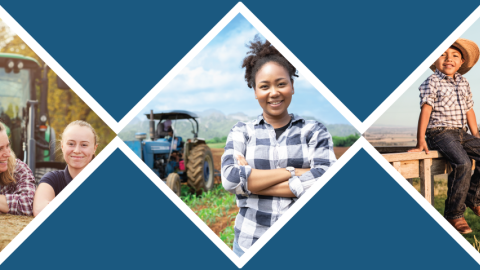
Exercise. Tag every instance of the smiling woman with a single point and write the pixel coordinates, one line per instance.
(17, 184)
(272, 161)
(78, 144)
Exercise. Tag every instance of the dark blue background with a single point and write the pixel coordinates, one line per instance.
(118, 219)
(361, 50)
(119, 50)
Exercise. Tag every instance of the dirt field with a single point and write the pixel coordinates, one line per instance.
(391, 136)
(10, 226)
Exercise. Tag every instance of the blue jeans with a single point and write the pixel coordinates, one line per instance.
(236, 249)
(458, 147)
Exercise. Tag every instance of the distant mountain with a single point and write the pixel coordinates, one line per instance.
(214, 123)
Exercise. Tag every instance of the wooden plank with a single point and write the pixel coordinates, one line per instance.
(426, 180)
(409, 168)
(393, 149)
(411, 156)
(439, 166)
(397, 166)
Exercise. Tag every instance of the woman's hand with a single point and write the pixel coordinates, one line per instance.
(241, 160)
(298, 172)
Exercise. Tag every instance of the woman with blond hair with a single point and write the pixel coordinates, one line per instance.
(17, 184)
(79, 142)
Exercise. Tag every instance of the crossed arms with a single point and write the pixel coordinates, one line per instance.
(240, 178)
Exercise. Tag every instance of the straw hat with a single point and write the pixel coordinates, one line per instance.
(470, 54)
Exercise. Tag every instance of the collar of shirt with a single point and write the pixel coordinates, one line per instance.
(68, 177)
(261, 120)
(441, 76)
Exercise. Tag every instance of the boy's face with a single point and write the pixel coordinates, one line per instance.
(449, 62)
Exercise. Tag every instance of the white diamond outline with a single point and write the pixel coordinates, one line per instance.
(361, 143)
(59, 199)
(420, 200)
(59, 70)
(240, 262)
(240, 8)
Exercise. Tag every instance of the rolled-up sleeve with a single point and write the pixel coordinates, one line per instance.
(428, 93)
(320, 155)
(20, 202)
(234, 176)
(468, 96)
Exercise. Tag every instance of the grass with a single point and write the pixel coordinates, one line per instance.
(212, 205)
(440, 189)
(227, 236)
(216, 145)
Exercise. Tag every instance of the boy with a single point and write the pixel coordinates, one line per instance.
(447, 108)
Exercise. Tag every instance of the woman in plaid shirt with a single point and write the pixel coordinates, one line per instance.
(17, 184)
(270, 162)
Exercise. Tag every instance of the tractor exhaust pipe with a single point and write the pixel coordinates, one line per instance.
(31, 143)
(152, 127)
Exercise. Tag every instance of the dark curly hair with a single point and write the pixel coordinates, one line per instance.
(261, 53)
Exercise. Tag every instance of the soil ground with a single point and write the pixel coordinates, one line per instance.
(11, 226)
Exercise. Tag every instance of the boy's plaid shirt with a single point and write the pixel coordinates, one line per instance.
(450, 99)
(20, 195)
(305, 144)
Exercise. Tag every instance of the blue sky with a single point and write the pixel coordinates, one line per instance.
(214, 79)
(405, 111)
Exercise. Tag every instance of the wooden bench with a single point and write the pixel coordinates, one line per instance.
(418, 165)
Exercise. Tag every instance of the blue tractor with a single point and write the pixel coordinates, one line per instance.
(172, 158)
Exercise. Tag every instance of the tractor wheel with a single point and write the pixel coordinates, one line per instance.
(173, 182)
(200, 169)
(41, 168)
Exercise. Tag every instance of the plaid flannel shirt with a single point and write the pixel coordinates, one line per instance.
(20, 195)
(450, 99)
(305, 144)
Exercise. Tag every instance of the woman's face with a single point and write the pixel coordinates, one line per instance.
(4, 151)
(78, 146)
(273, 89)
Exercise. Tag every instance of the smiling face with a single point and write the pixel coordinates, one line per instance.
(78, 146)
(450, 62)
(4, 151)
(273, 89)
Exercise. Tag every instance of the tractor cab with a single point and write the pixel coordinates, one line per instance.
(17, 86)
(173, 158)
(23, 109)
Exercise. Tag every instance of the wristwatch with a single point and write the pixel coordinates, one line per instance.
(291, 170)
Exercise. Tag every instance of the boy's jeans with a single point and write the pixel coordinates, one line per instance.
(458, 147)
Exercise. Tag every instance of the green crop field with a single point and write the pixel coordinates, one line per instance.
(216, 145)
(214, 206)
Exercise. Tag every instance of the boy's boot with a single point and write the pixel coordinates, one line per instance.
(475, 209)
(461, 225)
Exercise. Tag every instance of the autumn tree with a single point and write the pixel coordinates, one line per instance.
(64, 106)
